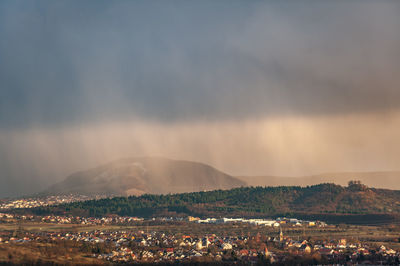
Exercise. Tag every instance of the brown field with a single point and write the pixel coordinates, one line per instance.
(45, 253)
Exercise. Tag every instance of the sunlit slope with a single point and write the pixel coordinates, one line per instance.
(136, 176)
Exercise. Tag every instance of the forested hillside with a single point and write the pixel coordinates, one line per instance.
(246, 201)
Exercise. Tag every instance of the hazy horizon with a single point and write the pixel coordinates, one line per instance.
(291, 88)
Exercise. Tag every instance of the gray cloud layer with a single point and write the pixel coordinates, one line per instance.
(252, 87)
(68, 62)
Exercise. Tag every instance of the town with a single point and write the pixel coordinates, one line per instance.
(117, 239)
(115, 220)
(33, 202)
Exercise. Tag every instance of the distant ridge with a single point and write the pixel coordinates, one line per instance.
(379, 179)
(137, 176)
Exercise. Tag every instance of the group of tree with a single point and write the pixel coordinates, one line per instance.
(243, 201)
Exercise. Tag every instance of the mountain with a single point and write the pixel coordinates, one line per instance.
(329, 202)
(388, 179)
(136, 176)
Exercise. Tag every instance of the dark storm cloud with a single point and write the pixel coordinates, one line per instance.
(251, 87)
(76, 61)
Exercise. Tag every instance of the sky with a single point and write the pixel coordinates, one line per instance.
(286, 88)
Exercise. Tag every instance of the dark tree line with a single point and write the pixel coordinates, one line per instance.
(244, 201)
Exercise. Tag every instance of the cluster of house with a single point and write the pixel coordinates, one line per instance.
(89, 220)
(127, 220)
(130, 246)
(8, 217)
(34, 202)
(186, 251)
(267, 222)
(214, 248)
(332, 247)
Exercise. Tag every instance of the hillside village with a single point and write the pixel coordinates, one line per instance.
(156, 246)
(41, 201)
